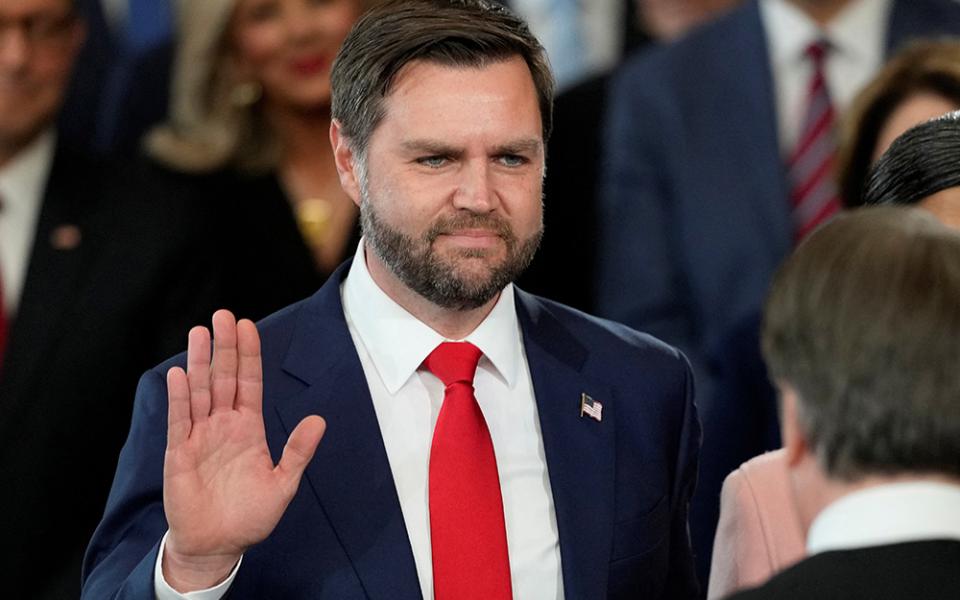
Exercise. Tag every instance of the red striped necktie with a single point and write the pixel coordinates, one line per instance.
(467, 531)
(813, 190)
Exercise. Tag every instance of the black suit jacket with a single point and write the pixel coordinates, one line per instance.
(928, 570)
(94, 312)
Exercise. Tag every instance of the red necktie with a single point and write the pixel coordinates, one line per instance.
(467, 531)
(813, 191)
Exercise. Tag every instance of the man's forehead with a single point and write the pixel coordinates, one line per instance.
(14, 8)
(496, 102)
(422, 70)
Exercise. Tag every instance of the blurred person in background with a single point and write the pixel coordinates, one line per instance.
(920, 83)
(719, 153)
(861, 333)
(120, 83)
(565, 265)
(99, 278)
(921, 167)
(249, 126)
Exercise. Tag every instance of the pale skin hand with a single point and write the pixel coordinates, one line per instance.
(221, 490)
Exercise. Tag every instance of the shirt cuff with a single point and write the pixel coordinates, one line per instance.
(163, 591)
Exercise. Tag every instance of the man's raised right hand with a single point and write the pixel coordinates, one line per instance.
(221, 490)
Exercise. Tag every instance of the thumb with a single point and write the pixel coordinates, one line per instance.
(300, 447)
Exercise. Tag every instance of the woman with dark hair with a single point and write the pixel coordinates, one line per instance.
(919, 83)
(922, 167)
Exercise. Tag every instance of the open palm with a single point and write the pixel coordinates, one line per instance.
(221, 490)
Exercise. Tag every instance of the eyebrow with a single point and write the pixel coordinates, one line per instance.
(438, 148)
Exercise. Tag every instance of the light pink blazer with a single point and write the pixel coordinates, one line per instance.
(760, 532)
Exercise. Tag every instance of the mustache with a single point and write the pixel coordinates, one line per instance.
(458, 222)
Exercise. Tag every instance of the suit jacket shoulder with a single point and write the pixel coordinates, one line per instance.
(759, 532)
(926, 569)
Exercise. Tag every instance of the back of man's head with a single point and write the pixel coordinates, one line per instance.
(863, 322)
(458, 33)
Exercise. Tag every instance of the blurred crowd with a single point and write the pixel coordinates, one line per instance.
(160, 159)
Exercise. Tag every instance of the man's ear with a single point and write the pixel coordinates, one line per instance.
(346, 162)
(795, 442)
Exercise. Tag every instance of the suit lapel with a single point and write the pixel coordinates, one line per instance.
(350, 474)
(579, 450)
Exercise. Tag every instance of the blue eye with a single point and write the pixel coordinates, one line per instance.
(512, 160)
(434, 162)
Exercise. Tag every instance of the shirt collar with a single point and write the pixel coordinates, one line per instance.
(858, 31)
(22, 180)
(398, 342)
(888, 514)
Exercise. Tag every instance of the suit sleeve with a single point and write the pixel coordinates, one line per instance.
(121, 556)
(682, 578)
(739, 548)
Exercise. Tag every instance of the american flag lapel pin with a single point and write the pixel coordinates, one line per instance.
(591, 408)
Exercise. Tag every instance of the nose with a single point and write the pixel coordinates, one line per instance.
(300, 23)
(476, 191)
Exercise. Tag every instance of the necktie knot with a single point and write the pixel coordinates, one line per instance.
(817, 52)
(454, 362)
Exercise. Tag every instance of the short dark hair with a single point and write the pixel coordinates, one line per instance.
(931, 66)
(863, 321)
(461, 33)
(921, 162)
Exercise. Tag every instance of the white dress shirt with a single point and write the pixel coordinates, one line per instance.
(392, 345)
(22, 183)
(888, 514)
(857, 36)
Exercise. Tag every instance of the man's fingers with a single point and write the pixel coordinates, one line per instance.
(223, 368)
(178, 407)
(198, 372)
(299, 450)
(250, 370)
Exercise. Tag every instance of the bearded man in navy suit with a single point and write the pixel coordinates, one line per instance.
(441, 110)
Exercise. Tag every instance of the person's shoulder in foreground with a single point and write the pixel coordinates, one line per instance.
(861, 333)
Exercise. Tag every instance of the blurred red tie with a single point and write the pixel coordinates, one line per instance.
(813, 191)
(467, 531)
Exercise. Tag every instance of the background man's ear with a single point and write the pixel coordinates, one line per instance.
(795, 441)
(346, 162)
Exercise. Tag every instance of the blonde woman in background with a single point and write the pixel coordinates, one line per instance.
(249, 124)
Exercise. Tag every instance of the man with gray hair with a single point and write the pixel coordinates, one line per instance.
(479, 442)
(862, 334)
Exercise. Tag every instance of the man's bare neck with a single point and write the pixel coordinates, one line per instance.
(450, 323)
(822, 11)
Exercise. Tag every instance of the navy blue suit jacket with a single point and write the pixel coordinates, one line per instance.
(694, 212)
(621, 486)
